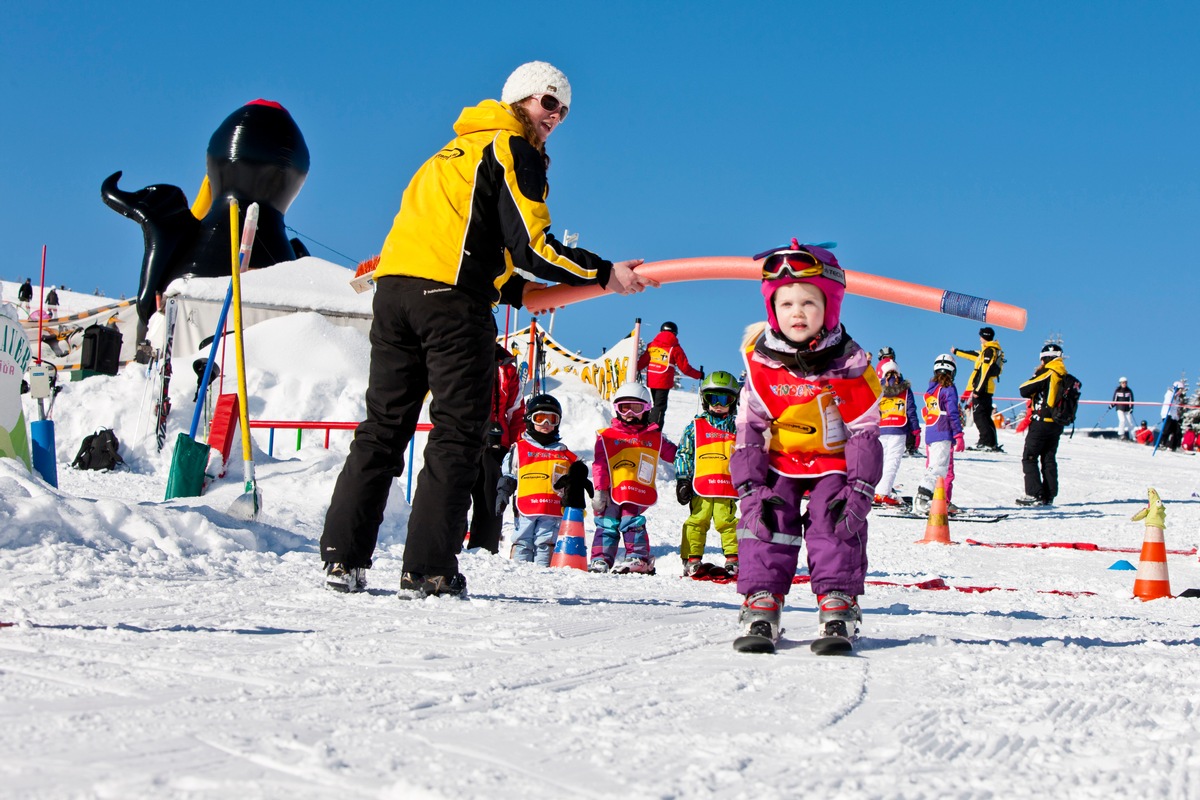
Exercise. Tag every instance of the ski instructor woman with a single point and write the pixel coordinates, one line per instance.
(470, 214)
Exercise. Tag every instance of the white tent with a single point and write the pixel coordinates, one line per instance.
(307, 284)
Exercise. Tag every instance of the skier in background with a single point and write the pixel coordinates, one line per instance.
(897, 422)
(52, 302)
(1122, 401)
(943, 434)
(1038, 461)
(660, 360)
(981, 385)
(1172, 413)
(25, 294)
(1143, 435)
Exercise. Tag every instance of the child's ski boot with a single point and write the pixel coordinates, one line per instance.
(838, 624)
(922, 501)
(759, 622)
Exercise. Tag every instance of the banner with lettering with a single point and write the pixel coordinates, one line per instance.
(14, 358)
(604, 373)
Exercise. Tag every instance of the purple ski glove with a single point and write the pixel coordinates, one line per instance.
(757, 514)
(850, 507)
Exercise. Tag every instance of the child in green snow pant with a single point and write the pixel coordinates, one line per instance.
(722, 513)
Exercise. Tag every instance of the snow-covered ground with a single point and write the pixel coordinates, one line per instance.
(166, 649)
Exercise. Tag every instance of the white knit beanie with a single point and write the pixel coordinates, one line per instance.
(536, 77)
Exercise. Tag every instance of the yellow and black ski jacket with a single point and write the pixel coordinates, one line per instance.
(1044, 388)
(477, 208)
(989, 360)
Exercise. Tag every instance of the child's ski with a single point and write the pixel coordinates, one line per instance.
(962, 515)
(162, 406)
(832, 645)
(758, 640)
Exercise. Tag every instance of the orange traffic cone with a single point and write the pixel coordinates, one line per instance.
(570, 550)
(937, 529)
(1152, 581)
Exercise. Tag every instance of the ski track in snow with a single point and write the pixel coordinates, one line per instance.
(164, 649)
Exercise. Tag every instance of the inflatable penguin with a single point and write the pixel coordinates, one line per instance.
(257, 155)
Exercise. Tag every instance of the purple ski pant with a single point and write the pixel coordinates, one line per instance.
(837, 561)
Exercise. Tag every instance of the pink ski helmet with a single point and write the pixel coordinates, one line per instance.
(804, 263)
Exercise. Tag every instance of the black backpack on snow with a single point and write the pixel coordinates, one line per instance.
(1063, 412)
(99, 450)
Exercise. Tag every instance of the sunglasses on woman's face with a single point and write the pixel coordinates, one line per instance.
(544, 418)
(551, 104)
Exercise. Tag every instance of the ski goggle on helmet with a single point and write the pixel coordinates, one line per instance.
(632, 399)
(720, 389)
(945, 363)
(804, 263)
(543, 408)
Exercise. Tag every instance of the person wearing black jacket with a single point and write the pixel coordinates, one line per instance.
(981, 384)
(1122, 401)
(1041, 440)
(25, 293)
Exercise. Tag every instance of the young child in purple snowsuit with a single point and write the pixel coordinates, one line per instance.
(624, 472)
(943, 432)
(808, 422)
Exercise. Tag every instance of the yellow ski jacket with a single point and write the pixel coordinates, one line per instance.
(989, 360)
(477, 208)
(1044, 388)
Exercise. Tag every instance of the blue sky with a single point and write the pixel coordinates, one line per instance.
(1039, 154)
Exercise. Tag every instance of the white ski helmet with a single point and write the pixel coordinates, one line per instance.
(945, 363)
(632, 391)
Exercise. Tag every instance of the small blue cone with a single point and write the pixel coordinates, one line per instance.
(1122, 564)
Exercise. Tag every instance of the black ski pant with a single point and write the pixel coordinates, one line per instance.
(1041, 449)
(485, 522)
(659, 411)
(982, 414)
(426, 337)
(1172, 434)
